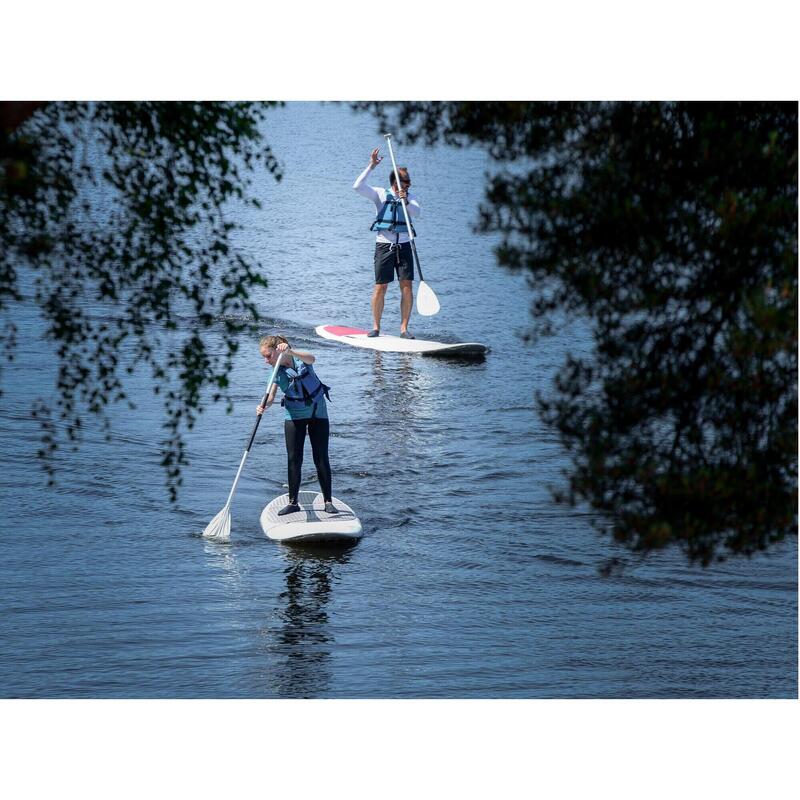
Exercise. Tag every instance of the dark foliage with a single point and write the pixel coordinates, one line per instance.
(112, 222)
(672, 229)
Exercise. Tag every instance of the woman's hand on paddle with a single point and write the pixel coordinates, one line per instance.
(261, 409)
(374, 158)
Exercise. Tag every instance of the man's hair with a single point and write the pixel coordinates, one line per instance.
(272, 342)
(392, 181)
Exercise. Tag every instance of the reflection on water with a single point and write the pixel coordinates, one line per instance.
(397, 409)
(300, 647)
(395, 385)
(222, 558)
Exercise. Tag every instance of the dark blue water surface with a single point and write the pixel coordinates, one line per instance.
(469, 582)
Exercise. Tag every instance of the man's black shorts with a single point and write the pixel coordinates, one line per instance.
(386, 262)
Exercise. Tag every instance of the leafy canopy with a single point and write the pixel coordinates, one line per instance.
(672, 229)
(112, 221)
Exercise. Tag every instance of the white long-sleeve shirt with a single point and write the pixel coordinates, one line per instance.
(378, 196)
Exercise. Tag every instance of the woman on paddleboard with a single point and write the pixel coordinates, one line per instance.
(305, 412)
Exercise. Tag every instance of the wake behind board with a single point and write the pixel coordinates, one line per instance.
(396, 344)
(311, 523)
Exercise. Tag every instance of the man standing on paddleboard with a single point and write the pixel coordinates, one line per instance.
(392, 245)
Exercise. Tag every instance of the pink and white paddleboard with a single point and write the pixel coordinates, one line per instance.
(396, 344)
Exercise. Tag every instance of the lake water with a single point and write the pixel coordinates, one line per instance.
(470, 582)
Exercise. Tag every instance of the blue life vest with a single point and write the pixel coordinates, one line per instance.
(391, 217)
(304, 386)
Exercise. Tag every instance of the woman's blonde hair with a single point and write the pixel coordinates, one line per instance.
(272, 342)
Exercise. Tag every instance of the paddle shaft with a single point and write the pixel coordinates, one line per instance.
(411, 237)
(255, 428)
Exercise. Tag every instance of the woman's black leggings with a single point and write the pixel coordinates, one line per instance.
(319, 433)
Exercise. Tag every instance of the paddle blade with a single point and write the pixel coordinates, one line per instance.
(427, 301)
(219, 529)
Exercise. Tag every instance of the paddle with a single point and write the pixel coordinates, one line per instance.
(427, 302)
(219, 529)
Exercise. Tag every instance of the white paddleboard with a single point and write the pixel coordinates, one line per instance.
(311, 523)
(396, 344)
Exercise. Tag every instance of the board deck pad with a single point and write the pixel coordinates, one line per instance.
(357, 337)
(311, 523)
